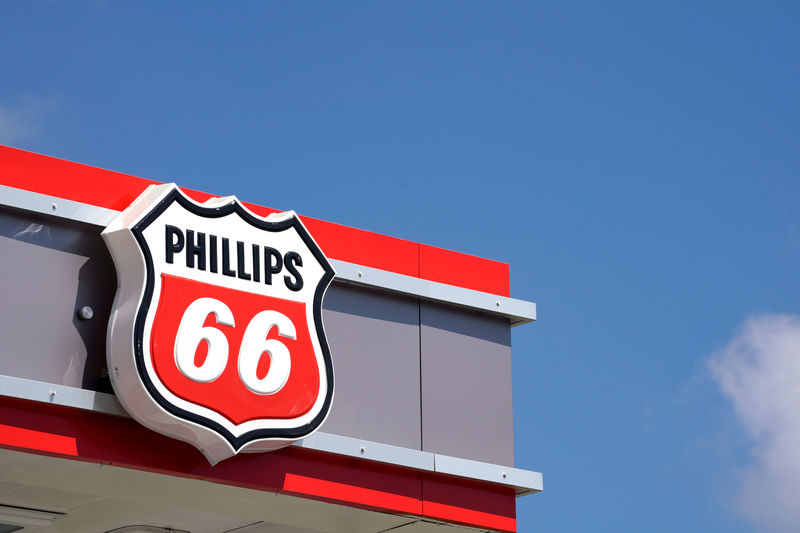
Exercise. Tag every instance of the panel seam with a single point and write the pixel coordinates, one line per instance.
(419, 338)
(421, 410)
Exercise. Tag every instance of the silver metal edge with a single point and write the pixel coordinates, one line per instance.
(373, 451)
(524, 481)
(41, 391)
(57, 207)
(516, 311)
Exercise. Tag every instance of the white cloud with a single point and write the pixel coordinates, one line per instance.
(22, 122)
(759, 372)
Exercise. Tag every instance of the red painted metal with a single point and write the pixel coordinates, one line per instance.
(469, 502)
(114, 190)
(88, 436)
(462, 270)
(43, 441)
(364, 247)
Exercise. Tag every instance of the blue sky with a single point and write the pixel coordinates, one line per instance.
(637, 166)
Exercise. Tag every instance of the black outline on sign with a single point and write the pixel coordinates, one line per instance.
(175, 195)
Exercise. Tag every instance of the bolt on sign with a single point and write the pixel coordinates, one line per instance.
(216, 336)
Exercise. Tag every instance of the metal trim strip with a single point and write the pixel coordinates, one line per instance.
(57, 207)
(524, 481)
(41, 391)
(370, 450)
(516, 311)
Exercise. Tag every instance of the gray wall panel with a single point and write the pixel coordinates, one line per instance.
(374, 340)
(49, 271)
(453, 398)
(466, 384)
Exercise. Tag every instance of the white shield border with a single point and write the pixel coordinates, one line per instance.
(126, 351)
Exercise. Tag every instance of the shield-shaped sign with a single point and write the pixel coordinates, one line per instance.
(216, 334)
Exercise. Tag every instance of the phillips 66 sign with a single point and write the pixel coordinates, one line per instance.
(216, 334)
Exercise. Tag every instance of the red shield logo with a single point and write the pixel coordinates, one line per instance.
(216, 334)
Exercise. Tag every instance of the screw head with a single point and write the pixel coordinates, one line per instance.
(54, 206)
(363, 449)
(85, 312)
